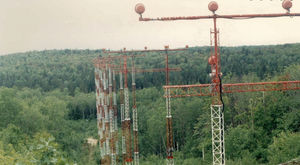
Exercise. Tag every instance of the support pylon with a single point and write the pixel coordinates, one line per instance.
(169, 129)
(124, 101)
(127, 123)
(106, 114)
(122, 107)
(217, 131)
(111, 118)
(217, 106)
(134, 118)
(217, 111)
(170, 149)
(102, 100)
(115, 117)
(98, 83)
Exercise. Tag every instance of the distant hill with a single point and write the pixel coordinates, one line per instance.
(71, 69)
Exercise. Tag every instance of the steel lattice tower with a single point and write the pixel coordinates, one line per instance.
(216, 88)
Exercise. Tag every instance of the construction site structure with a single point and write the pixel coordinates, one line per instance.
(216, 88)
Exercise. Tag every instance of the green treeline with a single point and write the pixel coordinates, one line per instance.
(41, 127)
(47, 107)
(71, 69)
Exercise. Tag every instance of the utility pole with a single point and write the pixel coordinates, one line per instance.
(216, 87)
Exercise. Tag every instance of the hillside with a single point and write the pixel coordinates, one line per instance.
(48, 96)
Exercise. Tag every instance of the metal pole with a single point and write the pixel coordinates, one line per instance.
(134, 117)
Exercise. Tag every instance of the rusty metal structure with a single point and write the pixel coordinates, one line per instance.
(102, 112)
(106, 111)
(107, 114)
(216, 89)
(125, 113)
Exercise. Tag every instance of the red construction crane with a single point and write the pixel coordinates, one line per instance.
(216, 88)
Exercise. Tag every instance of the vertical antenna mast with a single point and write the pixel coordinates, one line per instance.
(134, 117)
(115, 116)
(122, 118)
(169, 131)
(111, 118)
(128, 159)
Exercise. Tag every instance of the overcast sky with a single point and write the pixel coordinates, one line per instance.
(93, 24)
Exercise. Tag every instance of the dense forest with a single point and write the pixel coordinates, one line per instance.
(47, 107)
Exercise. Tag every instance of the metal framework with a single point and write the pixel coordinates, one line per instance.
(205, 89)
(216, 89)
(103, 115)
(169, 133)
(105, 70)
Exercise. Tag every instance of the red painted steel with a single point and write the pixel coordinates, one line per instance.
(235, 16)
(146, 50)
(109, 61)
(214, 89)
(205, 89)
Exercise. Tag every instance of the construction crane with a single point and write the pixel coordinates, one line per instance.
(216, 88)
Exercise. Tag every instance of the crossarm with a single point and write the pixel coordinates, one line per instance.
(235, 16)
(206, 89)
(151, 50)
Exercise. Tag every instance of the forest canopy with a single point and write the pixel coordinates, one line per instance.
(48, 107)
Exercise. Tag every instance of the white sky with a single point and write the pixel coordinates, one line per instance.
(93, 24)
